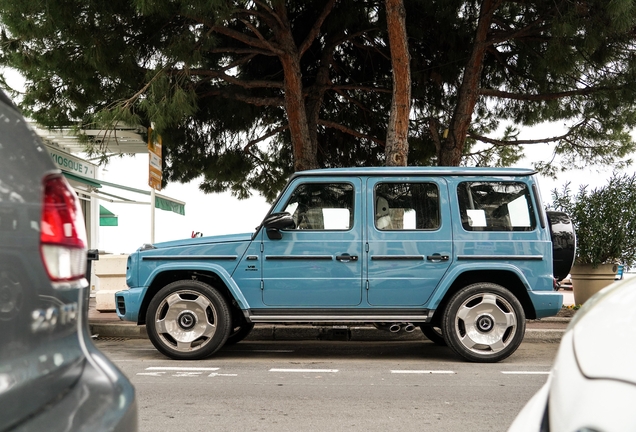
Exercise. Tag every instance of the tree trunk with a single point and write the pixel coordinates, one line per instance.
(453, 147)
(316, 95)
(304, 149)
(397, 146)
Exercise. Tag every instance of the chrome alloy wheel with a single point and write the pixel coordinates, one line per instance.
(186, 320)
(485, 323)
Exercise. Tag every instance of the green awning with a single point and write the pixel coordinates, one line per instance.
(81, 179)
(169, 205)
(161, 202)
(107, 217)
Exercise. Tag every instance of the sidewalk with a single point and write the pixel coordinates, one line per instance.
(108, 325)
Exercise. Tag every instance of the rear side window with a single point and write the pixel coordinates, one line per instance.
(322, 206)
(406, 206)
(495, 206)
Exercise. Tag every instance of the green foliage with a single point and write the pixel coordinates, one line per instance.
(219, 103)
(550, 61)
(604, 219)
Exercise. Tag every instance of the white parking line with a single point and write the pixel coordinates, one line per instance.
(305, 370)
(173, 368)
(525, 373)
(448, 372)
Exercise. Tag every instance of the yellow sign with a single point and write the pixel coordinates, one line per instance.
(154, 161)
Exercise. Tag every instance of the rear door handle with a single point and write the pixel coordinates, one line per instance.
(346, 258)
(437, 257)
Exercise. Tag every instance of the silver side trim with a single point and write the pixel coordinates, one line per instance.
(188, 257)
(342, 318)
(501, 257)
(298, 257)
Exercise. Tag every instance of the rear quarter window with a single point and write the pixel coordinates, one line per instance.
(406, 206)
(495, 206)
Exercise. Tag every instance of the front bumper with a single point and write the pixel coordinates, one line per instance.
(128, 303)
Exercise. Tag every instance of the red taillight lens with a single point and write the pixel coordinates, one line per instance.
(62, 232)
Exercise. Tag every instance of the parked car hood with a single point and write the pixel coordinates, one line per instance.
(602, 334)
(228, 238)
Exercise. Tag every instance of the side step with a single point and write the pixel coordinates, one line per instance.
(337, 315)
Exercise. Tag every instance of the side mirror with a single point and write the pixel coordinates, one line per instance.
(276, 222)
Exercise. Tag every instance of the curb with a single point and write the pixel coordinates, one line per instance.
(117, 330)
(268, 332)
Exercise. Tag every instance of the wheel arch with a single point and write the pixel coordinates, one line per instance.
(506, 278)
(213, 275)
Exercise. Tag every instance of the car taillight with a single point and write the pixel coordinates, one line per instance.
(62, 232)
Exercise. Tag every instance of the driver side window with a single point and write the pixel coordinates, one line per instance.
(322, 206)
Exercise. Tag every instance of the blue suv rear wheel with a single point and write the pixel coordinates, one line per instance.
(484, 323)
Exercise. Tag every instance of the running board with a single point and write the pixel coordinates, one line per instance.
(322, 316)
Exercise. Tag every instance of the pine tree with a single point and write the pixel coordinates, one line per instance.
(246, 92)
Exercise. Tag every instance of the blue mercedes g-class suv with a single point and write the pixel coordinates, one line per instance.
(466, 254)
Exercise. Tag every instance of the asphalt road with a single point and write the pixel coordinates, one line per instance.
(329, 386)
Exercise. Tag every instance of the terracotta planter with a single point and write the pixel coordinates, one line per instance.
(587, 280)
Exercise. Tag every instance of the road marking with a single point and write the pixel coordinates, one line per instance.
(448, 372)
(525, 373)
(214, 374)
(151, 373)
(269, 351)
(184, 374)
(305, 370)
(179, 369)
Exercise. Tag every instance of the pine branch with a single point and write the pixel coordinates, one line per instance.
(544, 96)
(270, 134)
(360, 87)
(260, 37)
(354, 101)
(241, 51)
(531, 29)
(269, 16)
(351, 132)
(502, 143)
(256, 101)
(232, 80)
(128, 102)
(247, 40)
(313, 33)
(269, 11)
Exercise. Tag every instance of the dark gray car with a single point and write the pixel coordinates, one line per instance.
(52, 378)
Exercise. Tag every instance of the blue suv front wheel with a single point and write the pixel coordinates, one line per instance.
(188, 320)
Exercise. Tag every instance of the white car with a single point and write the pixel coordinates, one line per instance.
(592, 385)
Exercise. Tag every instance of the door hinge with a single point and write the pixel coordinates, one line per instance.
(262, 247)
(262, 285)
(366, 247)
(367, 285)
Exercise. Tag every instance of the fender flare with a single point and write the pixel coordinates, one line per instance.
(221, 272)
(450, 278)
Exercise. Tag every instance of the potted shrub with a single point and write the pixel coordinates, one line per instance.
(605, 223)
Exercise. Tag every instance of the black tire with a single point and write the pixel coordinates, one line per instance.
(434, 334)
(188, 320)
(484, 323)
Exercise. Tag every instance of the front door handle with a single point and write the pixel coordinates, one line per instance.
(437, 257)
(346, 257)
